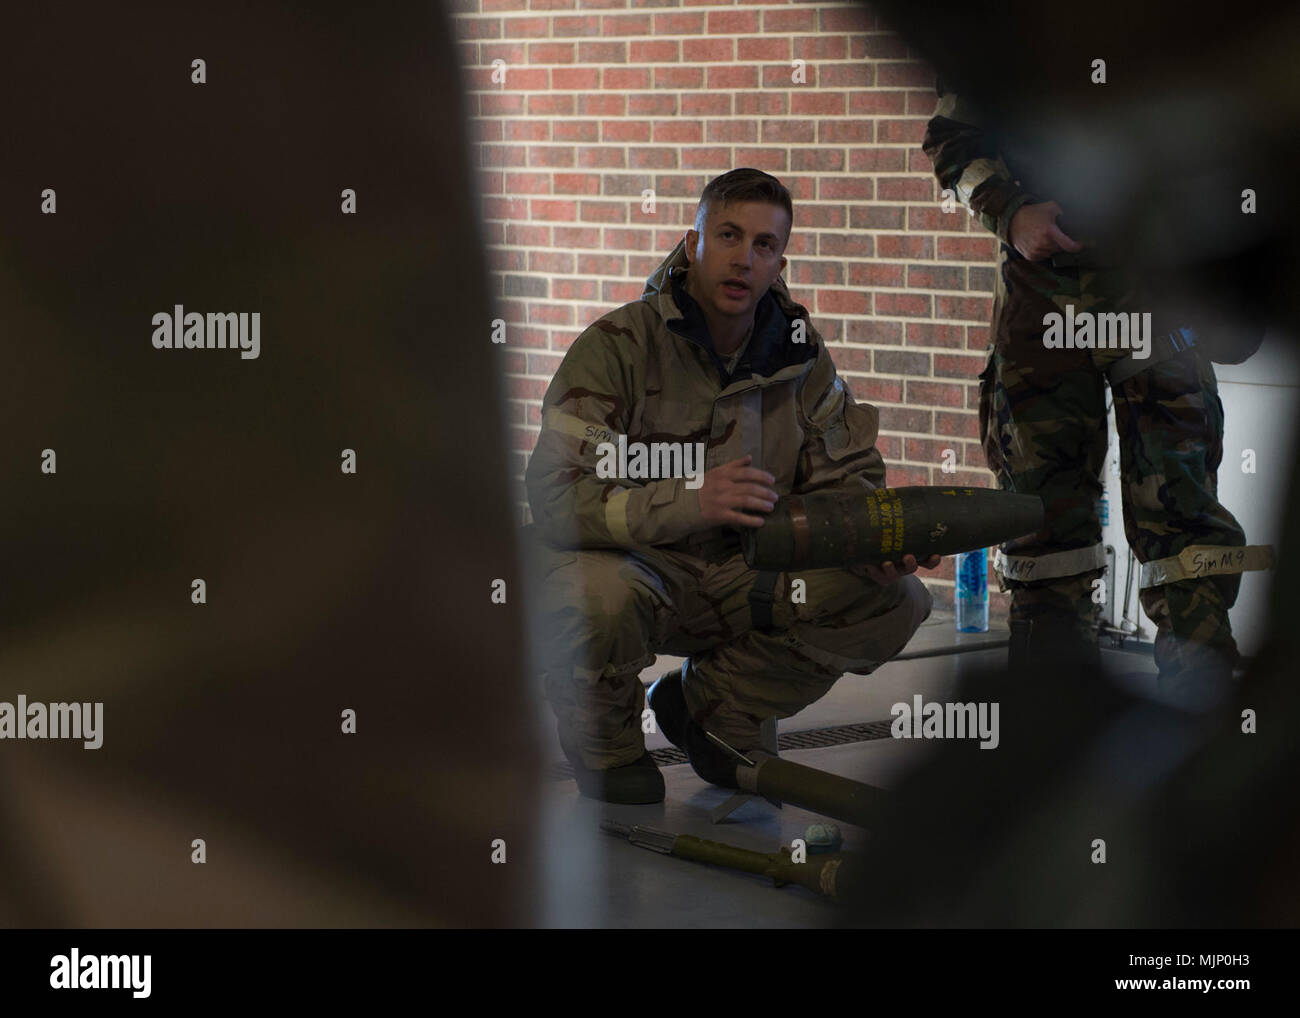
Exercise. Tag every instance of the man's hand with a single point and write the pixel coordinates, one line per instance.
(735, 486)
(887, 573)
(1034, 233)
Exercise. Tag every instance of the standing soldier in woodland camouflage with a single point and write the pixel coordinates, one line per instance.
(714, 356)
(1043, 427)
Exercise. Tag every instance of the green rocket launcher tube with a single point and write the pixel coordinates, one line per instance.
(807, 787)
(832, 875)
(834, 529)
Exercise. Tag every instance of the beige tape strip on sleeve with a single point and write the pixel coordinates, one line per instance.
(1049, 567)
(1199, 560)
(976, 172)
(576, 427)
(616, 517)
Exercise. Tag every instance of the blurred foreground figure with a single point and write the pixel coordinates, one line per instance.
(1194, 811)
(326, 591)
(1096, 810)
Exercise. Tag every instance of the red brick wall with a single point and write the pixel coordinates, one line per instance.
(602, 99)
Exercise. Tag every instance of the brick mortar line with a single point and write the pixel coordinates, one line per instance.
(912, 291)
(973, 294)
(665, 145)
(539, 118)
(534, 427)
(891, 376)
(804, 259)
(852, 374)
(632, 224)
(612, 199)
(569, 12)
(833, 230)
(821, 314)
(680, 90)
(839, 287)
(819, 202)
(607, 12)
(635, 199)
(625, 252)
(572, 277)
(543, 118)
(838, 346)
(527, 40)
(814, 5)
(810, 146)
(706, 36)
(631, 199)
(733, 62)
(928, 436)
(706, 90)
(702, 35)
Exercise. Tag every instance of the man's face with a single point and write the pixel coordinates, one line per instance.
(737, 256)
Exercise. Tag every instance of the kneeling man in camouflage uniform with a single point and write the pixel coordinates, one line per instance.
(673, 421)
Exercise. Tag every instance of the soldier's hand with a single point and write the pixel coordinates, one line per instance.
(1034, 233)
(733, 487)
(887, 573)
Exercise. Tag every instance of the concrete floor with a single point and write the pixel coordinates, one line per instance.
(598, 880)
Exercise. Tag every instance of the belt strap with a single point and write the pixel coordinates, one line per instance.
(1197, 560)
(762, 594)
(1162, 348)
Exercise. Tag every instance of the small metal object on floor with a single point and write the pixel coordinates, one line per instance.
(767, 742)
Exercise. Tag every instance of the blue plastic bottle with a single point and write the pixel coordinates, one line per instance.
(971, 597)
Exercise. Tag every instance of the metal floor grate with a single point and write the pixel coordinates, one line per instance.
(817, 738)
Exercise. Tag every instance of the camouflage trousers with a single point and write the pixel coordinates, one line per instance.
(604, 614)
(1044, 430)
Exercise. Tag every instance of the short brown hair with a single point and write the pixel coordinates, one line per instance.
(744, 184)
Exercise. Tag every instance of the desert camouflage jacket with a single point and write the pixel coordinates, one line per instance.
(648, 371)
